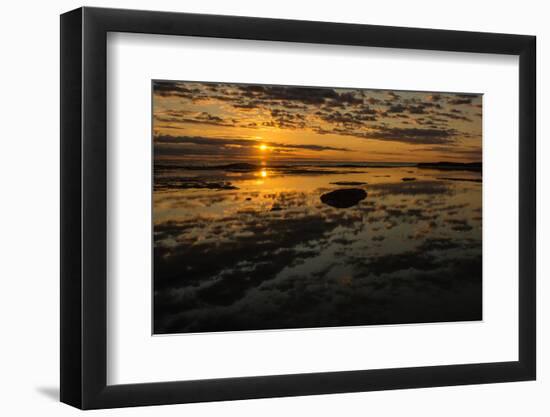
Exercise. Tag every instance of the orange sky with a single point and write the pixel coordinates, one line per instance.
(204, 122)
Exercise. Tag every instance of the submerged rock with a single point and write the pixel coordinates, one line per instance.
(344, 198)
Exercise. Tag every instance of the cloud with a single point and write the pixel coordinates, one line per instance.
(434, 97)
(396, 108)
(393, 95)
(412, 188)
(242, 144)
(367, 114)
(414, 135)
(373, 100)
(306, 95)
(171, 88)
(416, 109)
(459, 225)
(348, 118)
(474, 153)
(459, 101)
(453, 114)
(183, 116)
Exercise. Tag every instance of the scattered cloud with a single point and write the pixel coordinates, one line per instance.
(196, 145)
(411, 118)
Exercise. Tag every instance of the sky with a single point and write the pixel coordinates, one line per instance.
(213, 122)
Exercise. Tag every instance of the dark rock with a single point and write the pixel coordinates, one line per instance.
(461, 179)
(224, 185)
(344, 198)
(408, 179)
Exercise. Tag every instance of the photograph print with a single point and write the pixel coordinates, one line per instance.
(293, 207)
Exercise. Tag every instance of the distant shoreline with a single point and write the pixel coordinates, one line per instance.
(247, 167)
(468, 166)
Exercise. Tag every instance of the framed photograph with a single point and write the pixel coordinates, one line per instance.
(257, 208)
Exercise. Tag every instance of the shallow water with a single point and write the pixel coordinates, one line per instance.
(260, 250)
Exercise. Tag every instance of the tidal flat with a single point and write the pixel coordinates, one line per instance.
(256, 247)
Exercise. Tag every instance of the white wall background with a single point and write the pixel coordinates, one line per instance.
(29, 225)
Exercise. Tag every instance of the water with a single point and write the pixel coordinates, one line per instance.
(256, 248)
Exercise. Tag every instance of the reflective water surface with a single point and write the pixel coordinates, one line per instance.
(248, 248)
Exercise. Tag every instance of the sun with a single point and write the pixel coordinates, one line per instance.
(263, 147)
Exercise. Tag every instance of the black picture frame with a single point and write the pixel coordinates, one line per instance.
(84, 207)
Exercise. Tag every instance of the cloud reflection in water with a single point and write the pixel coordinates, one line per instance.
(269, 254)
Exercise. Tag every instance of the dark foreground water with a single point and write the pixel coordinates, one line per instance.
(249, 249)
